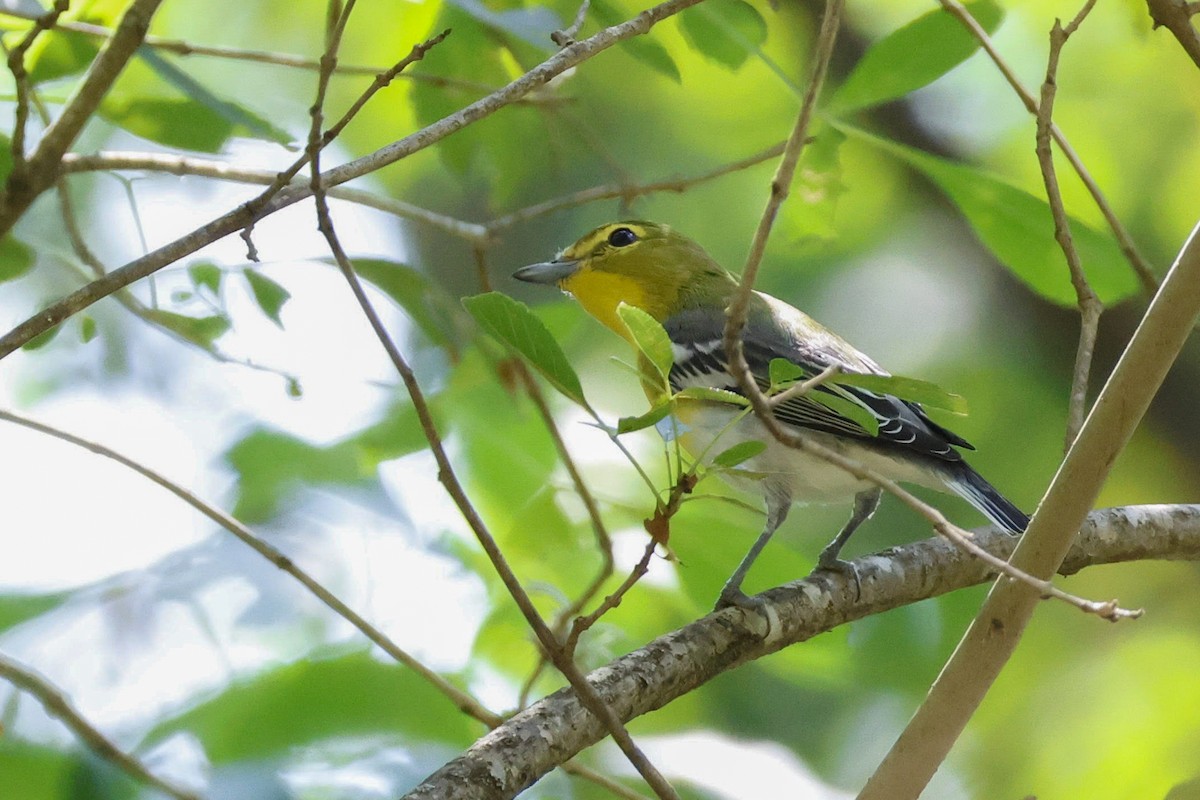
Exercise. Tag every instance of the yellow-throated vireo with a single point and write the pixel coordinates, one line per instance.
(673, 279)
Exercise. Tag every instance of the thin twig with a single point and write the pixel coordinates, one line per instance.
(445, 470)
(1140, 266)
(627, 192)
(59, 707)
(463, 701)
(804, 387)
(23, 187)
(239, 217)
(582, 624)
(1090, 306)
(565, 37)
(16, 65)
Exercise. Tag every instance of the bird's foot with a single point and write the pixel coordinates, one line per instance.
(829, 562)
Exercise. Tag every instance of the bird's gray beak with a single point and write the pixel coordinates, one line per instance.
(547, 271)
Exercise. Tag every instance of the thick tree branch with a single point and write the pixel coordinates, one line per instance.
(519, 752)
(242, 216)
(1176, 16)
(997, 628)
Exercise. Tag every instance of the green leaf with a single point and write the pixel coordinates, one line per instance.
(180, 123)
(353, 694)
(16, 609)
(656, 413)
(848, 409)
(645, 49)
(913, 56)
(424, 302)
(1018, 228)
(57, 53)
(740, 452)
(87, 329)
(240, 119)
(42, 339)
(200, 330)
(781, 372)
(269, 295)
(725, 31)
(650, 338)
(206, 274)
(713, 395)
(913, 390)
(16, 258)
(512, 323)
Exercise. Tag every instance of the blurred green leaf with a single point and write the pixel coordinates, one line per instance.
(87, 328)
(645, 49)
(717, 395)
(180, 123)
(200, 330)
(425, 302)
(913, 56)
(726, 31)
(240, 119)
(271, 465)
(206, 274)
(651, 339)
(346, 694)
(1018, 228)
(740, 452)
(269, 295)
(33, 772)
(18, 608)
(58, 53)
(781, 372)
(512, 323)
(532, 25)
(42, 339)
(16, 258)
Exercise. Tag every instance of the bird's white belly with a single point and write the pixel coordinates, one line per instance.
(704, 431)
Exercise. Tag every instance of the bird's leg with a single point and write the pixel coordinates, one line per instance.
(732, 594)
(865, 503)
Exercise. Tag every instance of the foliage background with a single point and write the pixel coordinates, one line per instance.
(205, 661)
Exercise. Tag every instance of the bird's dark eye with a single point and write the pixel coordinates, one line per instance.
(622, 237)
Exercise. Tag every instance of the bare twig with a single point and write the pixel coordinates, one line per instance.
(1140, 266)
(1176, 16)
(565, 37)
(627, 192)
(804, 387)
(24, 186)
(59, 707)
(16, 65)
(239, 217)
(1090, 306)
(998, 627)
(507, 760)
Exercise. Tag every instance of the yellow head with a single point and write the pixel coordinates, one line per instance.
(644, 264)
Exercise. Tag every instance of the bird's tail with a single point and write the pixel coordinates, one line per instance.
(972, 487)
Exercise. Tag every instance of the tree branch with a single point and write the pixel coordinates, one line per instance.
(238, 218)
(519, 752)
(996, 630)
(1176, 16)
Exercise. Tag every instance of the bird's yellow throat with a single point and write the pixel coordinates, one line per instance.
(601, 292)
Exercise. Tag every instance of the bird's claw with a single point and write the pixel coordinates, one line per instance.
(847, 568)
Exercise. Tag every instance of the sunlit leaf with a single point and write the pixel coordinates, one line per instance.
(16, 258)
(651, 339)
(178, 122)
(1019, 229)
(512, 323)
(269, 295)
(913, 56)
(781, 372)
(201, 330)
(726, 31)
(742, 451)
(58, 53)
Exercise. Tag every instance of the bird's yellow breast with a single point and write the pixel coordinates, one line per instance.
(601, 292)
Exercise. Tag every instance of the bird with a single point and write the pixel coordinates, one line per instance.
(654, 268)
